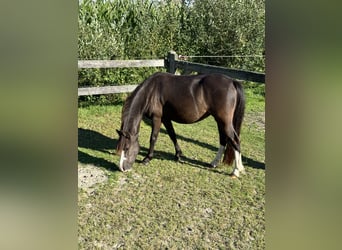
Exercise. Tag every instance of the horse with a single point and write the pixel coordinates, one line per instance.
(164, 97)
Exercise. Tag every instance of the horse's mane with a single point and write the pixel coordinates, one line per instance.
(144, 91)
(129, 100)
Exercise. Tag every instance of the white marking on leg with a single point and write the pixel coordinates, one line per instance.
(122, 159)
(218, 156)
(238, 164)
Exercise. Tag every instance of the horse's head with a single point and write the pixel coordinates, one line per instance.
(128, 149)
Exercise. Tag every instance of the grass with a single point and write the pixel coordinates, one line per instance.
(170, 205)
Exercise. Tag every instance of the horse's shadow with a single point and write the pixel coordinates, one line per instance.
(246, 160)
(94, 140)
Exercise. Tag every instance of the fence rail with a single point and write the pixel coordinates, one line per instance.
(234, 73)
(171, 63)
(86, 64)
(105, 90)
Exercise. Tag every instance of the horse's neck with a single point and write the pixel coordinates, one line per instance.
(135, 115)
(132, 123)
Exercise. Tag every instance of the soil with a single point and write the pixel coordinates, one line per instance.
(89, 176)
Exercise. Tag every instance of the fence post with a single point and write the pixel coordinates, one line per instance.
(170, 62)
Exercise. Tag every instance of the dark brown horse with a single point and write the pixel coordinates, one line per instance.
(164, 97)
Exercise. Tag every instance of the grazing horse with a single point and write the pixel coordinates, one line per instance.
(165, 97)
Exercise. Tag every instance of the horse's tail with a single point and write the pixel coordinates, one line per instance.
(237, 121)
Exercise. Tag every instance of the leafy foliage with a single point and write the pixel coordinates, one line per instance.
(130, 29)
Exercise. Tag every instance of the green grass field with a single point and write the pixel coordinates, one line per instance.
(170, 205)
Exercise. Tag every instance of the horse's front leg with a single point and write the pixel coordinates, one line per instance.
(156, 123)
(171, 132)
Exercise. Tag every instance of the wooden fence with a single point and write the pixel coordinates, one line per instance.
(171, 63)
(114, 64)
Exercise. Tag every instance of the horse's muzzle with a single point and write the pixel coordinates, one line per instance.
(124, 166)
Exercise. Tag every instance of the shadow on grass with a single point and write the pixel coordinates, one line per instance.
(246, 160)
(96, 141)
(96, 161)
(252, 163)
(206, 165)
(161, 155)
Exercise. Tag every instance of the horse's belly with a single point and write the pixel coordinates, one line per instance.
(188, 120)
(185, 114)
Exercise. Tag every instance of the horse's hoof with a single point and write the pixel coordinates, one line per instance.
(146, 161)
(178, 159)
(233, 176)
(211, 165)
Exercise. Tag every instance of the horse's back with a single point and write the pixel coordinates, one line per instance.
(187, 83)
(219, 89)
(209, 86)
(187, 99)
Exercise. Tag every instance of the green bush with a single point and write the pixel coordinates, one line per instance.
(145, 29)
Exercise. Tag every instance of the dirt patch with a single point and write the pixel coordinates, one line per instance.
(89, 176)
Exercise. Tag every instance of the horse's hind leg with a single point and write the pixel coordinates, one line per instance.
(234, 144)
(223, 142)
(218, 157)
(171, 132)
(229, 140)
(239, 168)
